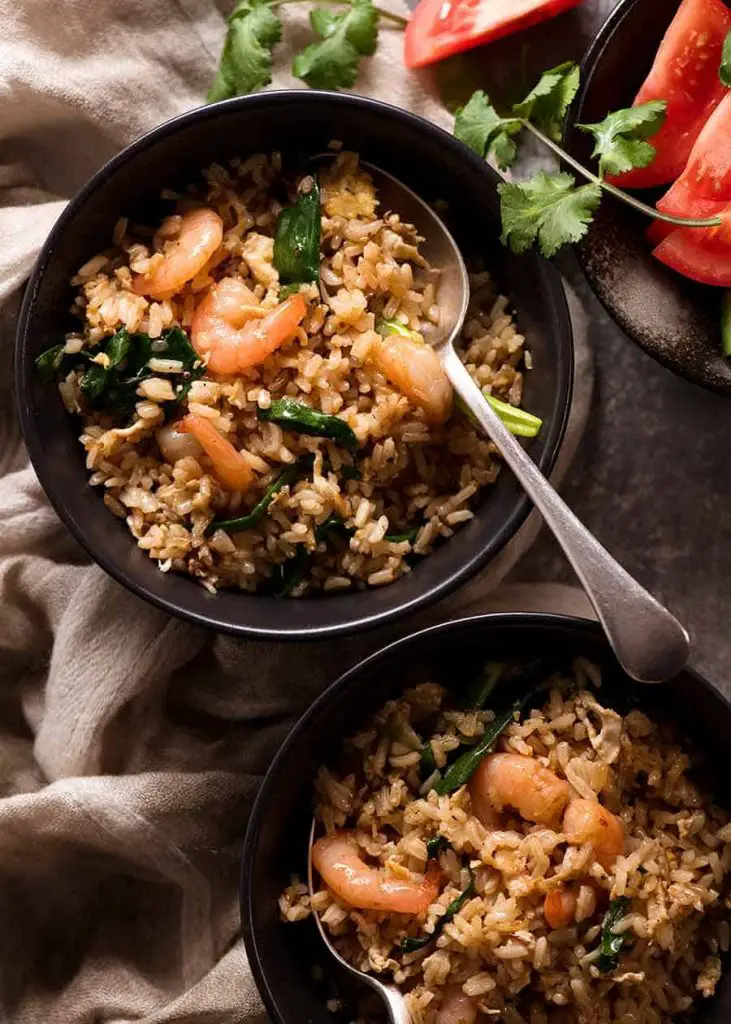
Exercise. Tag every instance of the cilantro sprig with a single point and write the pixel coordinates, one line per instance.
(331, 62)
(553, 210)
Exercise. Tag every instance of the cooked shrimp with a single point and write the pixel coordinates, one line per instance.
(482, 806)
(512, 780)
(414, 368)
(559, 907)
(586, 821)
(201, 233)
(457, 1008)
(229, 465)
(337, 858)
(224, 330)
(176, 444)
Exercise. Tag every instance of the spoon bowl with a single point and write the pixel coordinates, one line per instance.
(649, 643)
(392, 997)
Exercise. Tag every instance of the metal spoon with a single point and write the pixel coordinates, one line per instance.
(393, 999)
(649, 643)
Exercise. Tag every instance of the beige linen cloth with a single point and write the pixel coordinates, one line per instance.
(131, 743)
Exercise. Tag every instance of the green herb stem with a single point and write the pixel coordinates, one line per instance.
(411, 945)
(251, 519)
(466, 764)
(478, 695)
(388, 15)
(401, 538)
(649, 211)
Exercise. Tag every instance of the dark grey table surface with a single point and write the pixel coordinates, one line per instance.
(652, 478)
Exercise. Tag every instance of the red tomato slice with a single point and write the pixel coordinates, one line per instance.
(709, 166)
(439, 28)
(685, 74)
(702, 254)
(682, 201)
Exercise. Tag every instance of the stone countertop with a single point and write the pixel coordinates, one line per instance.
(652, 478)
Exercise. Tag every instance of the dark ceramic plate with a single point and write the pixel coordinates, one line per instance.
(282, 956)
(300, 124)
(674, 320)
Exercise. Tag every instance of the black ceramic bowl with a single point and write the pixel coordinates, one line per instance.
(282, 956)
(298, 123)
(673, 319)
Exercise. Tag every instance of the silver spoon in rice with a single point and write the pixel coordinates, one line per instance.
(649, 643)
(392, 997)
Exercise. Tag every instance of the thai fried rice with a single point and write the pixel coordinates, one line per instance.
(499, 950)
(407, 478)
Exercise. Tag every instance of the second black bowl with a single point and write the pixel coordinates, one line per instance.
(282, 956)
(435, 166)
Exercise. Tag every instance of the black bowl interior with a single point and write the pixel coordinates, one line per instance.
(299, 124)
(672, 318)
(282, 956)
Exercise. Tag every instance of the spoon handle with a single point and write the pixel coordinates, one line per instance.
(398, 1012)
(649, 643)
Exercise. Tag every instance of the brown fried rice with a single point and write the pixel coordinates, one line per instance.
(411, 473)
(499, 949)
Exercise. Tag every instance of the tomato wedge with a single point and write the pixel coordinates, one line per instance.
(685, 75)
(702, 254)
(708, 172)
(439, 28)
(681, 200)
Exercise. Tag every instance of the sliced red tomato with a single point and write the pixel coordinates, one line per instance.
(702, 254)
(439, 28)
(681, 200)
(685, 75)
(708, 172)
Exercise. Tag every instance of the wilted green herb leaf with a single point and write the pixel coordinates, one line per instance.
(546, 104)
(303, 419)
(619, 140)
(297, 238)
(48, 362)
(332, 63)
(611, 944)
(246, 61)
(550, 209)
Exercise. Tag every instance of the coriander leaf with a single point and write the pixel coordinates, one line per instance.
(333, 62)
(324, 21)
(546, 104)
(480, 127)
(246, 60)
(619, 140)
(724, 71)
(550, 209)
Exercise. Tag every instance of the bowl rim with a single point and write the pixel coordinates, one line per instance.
(588, 65)
(493, 621)
(208, 617)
